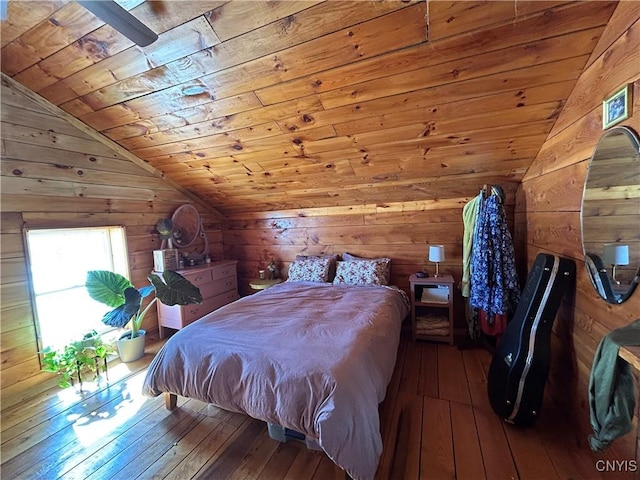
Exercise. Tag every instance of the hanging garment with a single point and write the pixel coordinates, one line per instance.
(611, 390)
(494, 281)
(493, 326)
(469, 215)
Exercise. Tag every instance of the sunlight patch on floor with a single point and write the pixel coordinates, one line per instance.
(106, 419)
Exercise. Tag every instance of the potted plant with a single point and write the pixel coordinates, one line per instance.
(77, 359)
(116, 291)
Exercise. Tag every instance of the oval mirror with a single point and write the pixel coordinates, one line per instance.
(187, 228)
(611, 215)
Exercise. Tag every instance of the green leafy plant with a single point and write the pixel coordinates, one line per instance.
(114, 290)
(77, 359)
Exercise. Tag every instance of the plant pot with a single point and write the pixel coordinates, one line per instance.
(131, 349)
(90, 342)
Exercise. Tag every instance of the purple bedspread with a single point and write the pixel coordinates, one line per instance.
(315, 358)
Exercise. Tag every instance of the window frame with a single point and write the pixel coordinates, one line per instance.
(123, 268)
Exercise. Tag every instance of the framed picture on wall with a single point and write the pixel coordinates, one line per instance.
(616, 108)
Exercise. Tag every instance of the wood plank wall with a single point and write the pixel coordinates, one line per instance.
(401, 231)
(54, 175)
(548, 215)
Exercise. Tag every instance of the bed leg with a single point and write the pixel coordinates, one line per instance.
(170, 401)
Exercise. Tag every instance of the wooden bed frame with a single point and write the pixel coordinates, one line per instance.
(170, 401)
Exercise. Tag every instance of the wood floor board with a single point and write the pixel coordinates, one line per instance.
(182, 449)
(387, 405)
(281, 461)
(256, 459)
(436, 451)
(42, 407)
(390, 429)
(568, 449)
(158, 421)
(452, 379)
(91, 442)
(148, 450)
(305, 464)
(428, 385)
(235, 449)
(209, 447)
(409, 382)
(473, 365)
(531, 458)
(52, 401)
(327, 470)
(436, 423)
(58, 430)
(496, 455)
(466, 443)
(406, 447)
(45, 404)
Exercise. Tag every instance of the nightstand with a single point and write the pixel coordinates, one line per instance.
(258, 284)
(432, 308)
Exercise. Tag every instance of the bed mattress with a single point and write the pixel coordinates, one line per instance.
(311, 357)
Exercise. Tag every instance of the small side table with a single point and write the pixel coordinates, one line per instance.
(432, 308)
(258, 284)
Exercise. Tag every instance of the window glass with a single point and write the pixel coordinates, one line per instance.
(59, 261)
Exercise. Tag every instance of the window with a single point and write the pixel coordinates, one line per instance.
(59, 261)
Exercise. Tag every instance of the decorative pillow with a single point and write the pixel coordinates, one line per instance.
(310, 270)
(383, 261)
(362, 272)
(333, 259)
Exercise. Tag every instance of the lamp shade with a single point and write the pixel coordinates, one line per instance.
(436, 253)
(615, 254)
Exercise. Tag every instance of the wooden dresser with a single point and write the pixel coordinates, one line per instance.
(218, 284)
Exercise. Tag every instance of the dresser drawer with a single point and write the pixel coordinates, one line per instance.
(179, 316)
(207, 306)
(222, 271)
(224, 298)
(198, 277)
(224, 284)
(218, 284)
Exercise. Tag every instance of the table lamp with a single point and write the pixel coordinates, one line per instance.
(436, 254)
(615, 254)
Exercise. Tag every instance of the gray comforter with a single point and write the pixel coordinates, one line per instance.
(315, 358)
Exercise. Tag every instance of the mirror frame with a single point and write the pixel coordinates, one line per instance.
(604, 282)
(190, 210)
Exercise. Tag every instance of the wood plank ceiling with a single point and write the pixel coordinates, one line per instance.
(266, 105)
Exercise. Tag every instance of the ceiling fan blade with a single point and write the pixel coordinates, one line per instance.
(124, 22)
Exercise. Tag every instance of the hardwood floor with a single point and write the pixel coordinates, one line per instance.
(436, 423)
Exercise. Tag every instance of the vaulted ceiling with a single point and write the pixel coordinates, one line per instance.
(265, 105)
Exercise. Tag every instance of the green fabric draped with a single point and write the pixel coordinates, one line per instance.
(611, 389)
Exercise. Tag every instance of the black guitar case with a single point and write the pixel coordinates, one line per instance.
(520, 365)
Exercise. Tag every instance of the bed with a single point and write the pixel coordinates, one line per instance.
(312, 357)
